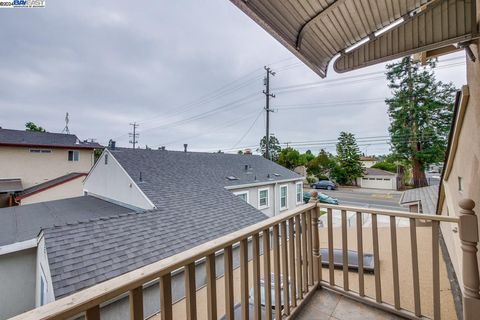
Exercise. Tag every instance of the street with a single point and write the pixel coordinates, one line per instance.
(369, 198)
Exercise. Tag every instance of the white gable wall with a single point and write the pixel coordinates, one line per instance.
(111, 181)
(43, 292)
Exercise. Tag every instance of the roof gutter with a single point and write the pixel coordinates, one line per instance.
(263, 183)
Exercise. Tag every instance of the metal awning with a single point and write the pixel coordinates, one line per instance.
(10, 185)
(363, 32)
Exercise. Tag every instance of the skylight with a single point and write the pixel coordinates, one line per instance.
(231, 178)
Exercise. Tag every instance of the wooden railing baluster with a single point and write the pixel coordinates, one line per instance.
(256, 276)
(276, 273)
(304, 252)
(93, 313)
(166, 297)
(345, 251)
(136, 303)
(211, 287)
(331, 270)
(376, 259)
(228, 276)
(244, 279)
(308, 217)
(267, 279)
(361, 279)
(317, 258)
(286, 285)
(436, 270)
(190, 291)
(416, 278)
(396, 280)
(298, 257)
(291, 260)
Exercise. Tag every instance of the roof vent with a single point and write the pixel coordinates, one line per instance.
(141, 179)
(111, 144)
(246, 167)
(277, 174)
(185, 147)
(161, 148)
(232, 178)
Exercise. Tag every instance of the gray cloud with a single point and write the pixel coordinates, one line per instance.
(110, 63)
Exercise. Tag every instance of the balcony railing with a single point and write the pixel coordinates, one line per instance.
(287, 249)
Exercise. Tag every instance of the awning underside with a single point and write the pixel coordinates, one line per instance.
(317, 30)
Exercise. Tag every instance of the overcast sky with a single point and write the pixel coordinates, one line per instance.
(187, 71)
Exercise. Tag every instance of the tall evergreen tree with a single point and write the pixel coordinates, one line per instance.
(274, 147)
(420, 115)
(348, 155)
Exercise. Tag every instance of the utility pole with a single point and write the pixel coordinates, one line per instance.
(268, 95)
(134, 135)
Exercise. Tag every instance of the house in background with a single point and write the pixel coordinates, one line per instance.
(20, 273)
(42, 166)
(147, 178)
(378, 179)
(368, 161)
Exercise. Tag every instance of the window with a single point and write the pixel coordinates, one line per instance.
(263, 198)
(386, 179)
(40, 151)
(73, 155)
(299, 192)
(242, 195)
(283, 197)
(106, 158)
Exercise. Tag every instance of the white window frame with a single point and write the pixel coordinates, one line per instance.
(239, 193)
(40, 151)
(268, 198)
(301, 192)
(280, 197)
(73, 155)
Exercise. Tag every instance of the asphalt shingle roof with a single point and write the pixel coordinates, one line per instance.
(46, 139)
(22, 223)
(377, 172)
(427, 196)
(193, 207)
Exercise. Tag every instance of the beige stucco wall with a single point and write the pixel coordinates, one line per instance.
(35, 168)
(466, 163)
(70, 189)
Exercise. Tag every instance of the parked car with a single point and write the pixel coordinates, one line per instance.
(325, 184)
(323, 198)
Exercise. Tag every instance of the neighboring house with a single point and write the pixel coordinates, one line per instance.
(147, 178)
(368, 162)
(420, 200)
(378, 179)
(42, 161)
(19, 230)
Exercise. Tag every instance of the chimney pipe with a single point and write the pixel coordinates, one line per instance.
(185, 147)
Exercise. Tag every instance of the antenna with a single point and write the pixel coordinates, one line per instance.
(67, 120)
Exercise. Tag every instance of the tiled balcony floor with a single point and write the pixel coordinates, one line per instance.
(327, 305)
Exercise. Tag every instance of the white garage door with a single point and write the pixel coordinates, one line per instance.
(377, 183)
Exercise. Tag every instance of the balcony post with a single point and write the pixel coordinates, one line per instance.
(468, 232)
(317, 258)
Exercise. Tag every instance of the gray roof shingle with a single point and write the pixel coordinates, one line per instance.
(193, 207)
(25, 222)
(427, 196)
(377, 172)
(43, 139)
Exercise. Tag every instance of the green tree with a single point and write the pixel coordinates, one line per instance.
(30, 126)
(305, 158)
(387, 166)
(321, 165)
(274, 147)
(420, 114)
(348, 156)
(289, 158)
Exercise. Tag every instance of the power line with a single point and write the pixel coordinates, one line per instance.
(248, 131)
(134, 135)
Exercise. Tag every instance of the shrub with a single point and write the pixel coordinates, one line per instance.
(387, 166)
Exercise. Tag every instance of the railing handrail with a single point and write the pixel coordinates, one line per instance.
(81, 301)
(391, 213)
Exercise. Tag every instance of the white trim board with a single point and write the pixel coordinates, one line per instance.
(18, 246)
